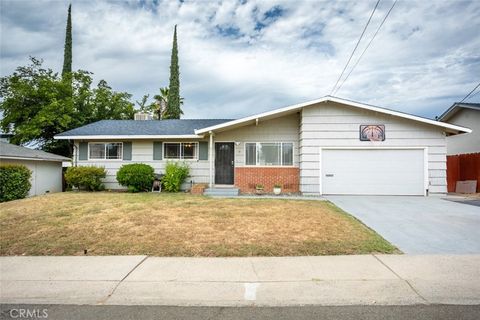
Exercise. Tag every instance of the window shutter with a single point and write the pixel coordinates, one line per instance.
(127, 150)
(157, 150)
(83, 151)
(203, 150)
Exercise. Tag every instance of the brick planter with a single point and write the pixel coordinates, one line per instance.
(246, 178)
(198, 188)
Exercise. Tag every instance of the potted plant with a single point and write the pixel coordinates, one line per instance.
(277, 188)
(259, 188)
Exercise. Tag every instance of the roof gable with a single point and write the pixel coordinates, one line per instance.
(457, 106)
(297, 107)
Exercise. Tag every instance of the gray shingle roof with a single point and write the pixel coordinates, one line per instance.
(11, 151)
(143, 127)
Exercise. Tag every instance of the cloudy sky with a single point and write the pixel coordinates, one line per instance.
(243, 57)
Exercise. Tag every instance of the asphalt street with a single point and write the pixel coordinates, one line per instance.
(81, 312)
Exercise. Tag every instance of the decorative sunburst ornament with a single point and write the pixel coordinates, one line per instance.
(372, 132)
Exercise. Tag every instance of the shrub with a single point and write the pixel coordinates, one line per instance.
(136, 177)
(86, 178)
(175, 174)
(14, 182)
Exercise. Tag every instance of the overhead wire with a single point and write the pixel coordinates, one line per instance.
(468, 95)
(356, 46)
(368, 45)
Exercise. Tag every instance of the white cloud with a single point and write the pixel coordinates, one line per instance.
(425, 57)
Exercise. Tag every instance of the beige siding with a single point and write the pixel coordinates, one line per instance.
(142, 152)
(46, 175)
(284, 129)
(336, 125)
(467, 142)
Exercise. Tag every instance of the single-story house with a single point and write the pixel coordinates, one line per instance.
(325, 146)
(463, 151)
(465, 115)
(46, 167)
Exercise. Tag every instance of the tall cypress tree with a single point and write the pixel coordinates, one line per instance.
(173, 110)
(67, 53)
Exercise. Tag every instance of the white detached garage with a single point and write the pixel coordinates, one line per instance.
(46, 167)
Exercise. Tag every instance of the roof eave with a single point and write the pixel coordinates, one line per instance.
(34, 158)
(100, 137)
(449, 113)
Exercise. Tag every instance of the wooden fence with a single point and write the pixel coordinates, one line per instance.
(463, 167)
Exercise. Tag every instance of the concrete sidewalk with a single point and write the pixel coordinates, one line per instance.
(282, 281)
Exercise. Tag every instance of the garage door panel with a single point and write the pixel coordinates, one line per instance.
(373, 172)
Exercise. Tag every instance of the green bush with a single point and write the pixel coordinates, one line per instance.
(86, 178)
(14, 182)
(136, 177)
(175, 174)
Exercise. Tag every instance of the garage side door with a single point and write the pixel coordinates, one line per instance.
(373, 172)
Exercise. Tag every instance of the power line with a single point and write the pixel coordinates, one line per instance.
(368, 45)
(468, 95)
(473, 95)
(356, 46)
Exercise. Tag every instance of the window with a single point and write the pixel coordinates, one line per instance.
(181, 150)
(105, 151)
(269, 154)
(250, 154)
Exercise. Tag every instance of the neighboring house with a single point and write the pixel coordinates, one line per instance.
(463, 151)
(465, 115)
(5, 137)
(46, 167)
(325, 146)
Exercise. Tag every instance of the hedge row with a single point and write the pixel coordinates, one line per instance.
(137, 177)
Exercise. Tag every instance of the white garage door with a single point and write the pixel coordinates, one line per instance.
(373, 171)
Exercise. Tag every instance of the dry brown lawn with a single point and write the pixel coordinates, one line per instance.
(180, 225)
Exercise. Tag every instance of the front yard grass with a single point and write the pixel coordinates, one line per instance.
(180, 225)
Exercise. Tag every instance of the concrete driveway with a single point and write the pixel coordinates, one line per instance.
(418, 225)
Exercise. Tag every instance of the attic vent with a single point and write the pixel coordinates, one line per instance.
(142, 116)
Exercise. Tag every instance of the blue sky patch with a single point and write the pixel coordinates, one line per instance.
(229, 31)
(269, 17)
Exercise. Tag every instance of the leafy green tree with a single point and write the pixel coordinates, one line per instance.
(109, 104)
(67, 53)
(37, 105)
(173, 110)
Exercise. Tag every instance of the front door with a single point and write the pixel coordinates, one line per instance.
(224, 162)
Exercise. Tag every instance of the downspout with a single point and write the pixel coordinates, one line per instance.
(75, 154)
(210, 146)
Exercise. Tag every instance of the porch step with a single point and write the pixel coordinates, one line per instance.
(221, 192)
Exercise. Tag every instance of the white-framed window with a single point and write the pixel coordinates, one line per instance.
(269, 154)
(105, 150)
(180, 150)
